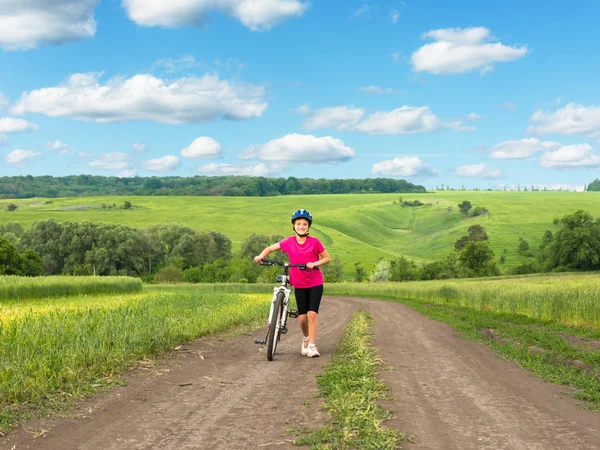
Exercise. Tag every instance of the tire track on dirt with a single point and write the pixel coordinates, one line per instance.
(214, 393)
(451, 393)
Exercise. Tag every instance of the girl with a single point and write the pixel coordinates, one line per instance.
(308, 284)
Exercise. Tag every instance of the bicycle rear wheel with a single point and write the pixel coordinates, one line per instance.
(275, 328)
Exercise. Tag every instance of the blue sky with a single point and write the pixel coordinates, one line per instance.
(466, 93)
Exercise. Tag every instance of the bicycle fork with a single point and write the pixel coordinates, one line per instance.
(285, 314)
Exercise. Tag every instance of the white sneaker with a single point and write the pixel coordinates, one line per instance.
(304, 348)
(312, 351)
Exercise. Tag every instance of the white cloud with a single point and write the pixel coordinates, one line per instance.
(473, 116)
(509, 105)
(520, 149)
(378, 90)
(255, 15)
(407, 166)
(304, 109)
(144, 97)
(57, 145)
(361, 11)
(570, 156)
(140, 147)
(571, 119)
(164, 164)
(404, 120)
(25, 24)
(458, 50)
(301, 148)
(202, 147)
(339, 117)
(478, 171)
(171, 65)
(3, 101)
(12, 125)
(258, 170)
(20, 157)
(395, 15)
(111, 161)
(127, 173)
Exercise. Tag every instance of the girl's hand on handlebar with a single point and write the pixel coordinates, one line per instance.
(258, 259)
(310, 265)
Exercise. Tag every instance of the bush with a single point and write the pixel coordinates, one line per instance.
(169, 274)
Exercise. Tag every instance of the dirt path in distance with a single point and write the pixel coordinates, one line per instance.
(222, 393)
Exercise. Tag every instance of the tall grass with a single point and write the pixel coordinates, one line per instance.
(572, 300)
(68, 351)
(25, 288)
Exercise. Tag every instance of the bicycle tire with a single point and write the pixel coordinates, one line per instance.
(275, 328)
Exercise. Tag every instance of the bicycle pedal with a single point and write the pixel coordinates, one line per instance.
(293, 313)
(259, 341)
(284, 330)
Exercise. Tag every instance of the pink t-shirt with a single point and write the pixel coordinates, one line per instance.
(302, 254)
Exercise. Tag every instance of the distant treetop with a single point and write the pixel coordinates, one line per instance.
(90, 185)
(594, 185)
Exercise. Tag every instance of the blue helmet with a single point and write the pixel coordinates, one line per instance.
(302, 214)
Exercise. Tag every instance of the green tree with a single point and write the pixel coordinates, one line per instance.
(32, 264)
(403, 269)
(10, 260)
(381, 272)
(127, 205)
(11, 207)
(464, 207)
(478, 258)
(576, 246)
(359, 272)
(475, 233)
(332, 271)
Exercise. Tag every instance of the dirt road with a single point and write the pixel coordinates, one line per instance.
(222, 393)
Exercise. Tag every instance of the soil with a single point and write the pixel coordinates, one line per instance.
(222, 393)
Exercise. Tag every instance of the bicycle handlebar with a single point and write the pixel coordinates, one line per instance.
(272, 262)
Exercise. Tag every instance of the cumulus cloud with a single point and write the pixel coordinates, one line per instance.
(404, 120)
(569, 157)
(301, 148)
(56, 145)
(255, 15)
(407, 166)
(338, 117)
(111, 161)
(140, 147)
(171, 65)
(473, 116)
(127, 173)
(20, 157)
(164, 164)
(395, 15)
(26, 24)
(459, 50)
(571, 119)
(520, 149)
(202, 147)
(12, 125)
(144, 97)
(258, 170)
(478, 171)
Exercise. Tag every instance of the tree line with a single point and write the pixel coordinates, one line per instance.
(90, 185)
(166, 252)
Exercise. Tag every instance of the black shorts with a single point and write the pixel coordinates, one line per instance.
(308, 299)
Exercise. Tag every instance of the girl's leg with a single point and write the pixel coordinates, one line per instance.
(304, 326)
(313, 324)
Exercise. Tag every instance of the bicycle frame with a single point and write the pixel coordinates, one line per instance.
(278, 318)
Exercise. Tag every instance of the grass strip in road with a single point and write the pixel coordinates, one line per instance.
(351, 389)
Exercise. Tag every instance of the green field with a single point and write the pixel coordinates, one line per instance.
(357, 227)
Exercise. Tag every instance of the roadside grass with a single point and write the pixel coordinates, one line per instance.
(351, 389)
(58, 351)
(15, 288)
(548, 325)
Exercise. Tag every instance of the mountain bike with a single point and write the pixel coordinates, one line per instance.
(276, 325)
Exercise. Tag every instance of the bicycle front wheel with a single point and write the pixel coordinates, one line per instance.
(275, 328)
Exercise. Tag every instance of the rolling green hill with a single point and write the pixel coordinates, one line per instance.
(357, 227)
